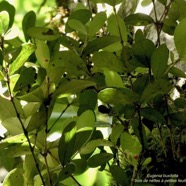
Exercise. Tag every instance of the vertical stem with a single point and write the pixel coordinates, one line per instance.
(24, 129)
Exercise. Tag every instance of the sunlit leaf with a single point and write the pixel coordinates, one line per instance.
(116, 26)
(14, 178)
(4, 22)
(112, 2)
(6, 6)
(113, 79)
(96, 23)
(27, 50)
(66, 144)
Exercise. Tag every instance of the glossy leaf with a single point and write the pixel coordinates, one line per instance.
(158, 87)
(26, 51)
(99, 159)
(43, 33)
(66, 144)
(4, 22)
(179, 35)
(96, 23)
(119, 175)
(100, 43)
(110, 63)
(159, 61)
(138, 19)
(29, 20)
(116, 26)
(14, 178)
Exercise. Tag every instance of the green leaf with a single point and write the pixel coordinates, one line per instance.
(113, 79)
(37, 121)
(80, 166)
(147, 161)
(4, 22)
(27, 50)
(163, 2)
(66, 143)
(113, 2)
(106, 61)
(14, 178)
(87, 100)
(5, 6)
(99, 159)
(143, 51)
(180, 103)
(29, 170)
(29, 20)
(86, 121)
(153, 115)
(117, 130)
(116, 26)
(66, 171)
(130, 143)
(81, 15)
(119, 175)
(6, 109)
(72, 87)
(116, 96)
(159, 61)
(178, 118)
(100, 43)
(158, 87)
(42, 53)
(91, 146)
(138, 19)
(179, 36)
(177, 72)
(146, 2)
(96, 23)
(77, 26)
(42, 33)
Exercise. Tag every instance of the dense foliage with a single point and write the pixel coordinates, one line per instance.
(82, 73)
